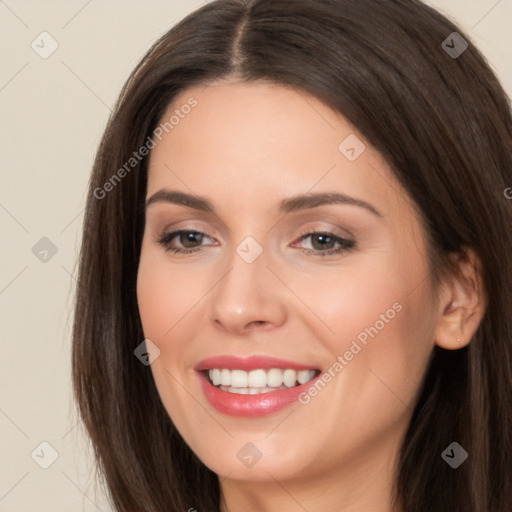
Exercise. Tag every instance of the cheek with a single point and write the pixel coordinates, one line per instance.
(165, 296)
(166, 301)
(378, 320)
(350, 300)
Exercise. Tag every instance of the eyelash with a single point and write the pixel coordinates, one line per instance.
(345, 245)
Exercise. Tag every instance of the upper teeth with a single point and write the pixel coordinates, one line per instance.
(273, 378)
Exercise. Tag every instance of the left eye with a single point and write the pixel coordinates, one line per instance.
(322, 243)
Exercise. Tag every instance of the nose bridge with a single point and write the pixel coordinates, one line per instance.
(245, 274)
(245, 294)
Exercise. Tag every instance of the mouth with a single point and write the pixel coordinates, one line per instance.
(253, 386)
(258, 381)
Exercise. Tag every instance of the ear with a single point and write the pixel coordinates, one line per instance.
(462, 303)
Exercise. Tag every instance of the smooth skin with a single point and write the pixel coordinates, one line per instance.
(245, 148)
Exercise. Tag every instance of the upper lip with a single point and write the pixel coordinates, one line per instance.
(249, 363)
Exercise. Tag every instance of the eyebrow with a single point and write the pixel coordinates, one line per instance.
(292, 204)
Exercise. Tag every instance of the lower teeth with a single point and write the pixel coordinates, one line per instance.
(250, 391)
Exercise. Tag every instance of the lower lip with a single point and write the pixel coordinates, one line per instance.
(251, 406)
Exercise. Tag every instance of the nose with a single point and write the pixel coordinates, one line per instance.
(248, 297)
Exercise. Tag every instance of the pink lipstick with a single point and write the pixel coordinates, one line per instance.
(253, 386)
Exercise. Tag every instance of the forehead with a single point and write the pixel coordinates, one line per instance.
(241, 141)
(238, 120)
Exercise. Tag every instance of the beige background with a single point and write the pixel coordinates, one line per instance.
(52, 115)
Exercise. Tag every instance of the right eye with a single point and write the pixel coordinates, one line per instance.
(187, 239)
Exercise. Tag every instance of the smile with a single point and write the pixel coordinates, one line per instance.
(253, 386)
(258, 381)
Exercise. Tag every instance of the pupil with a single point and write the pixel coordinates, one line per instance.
(322, 237)
(192, 238)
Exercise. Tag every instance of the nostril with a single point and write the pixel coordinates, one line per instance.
(256, 322)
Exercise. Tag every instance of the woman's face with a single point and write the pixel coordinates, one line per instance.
(350, 306)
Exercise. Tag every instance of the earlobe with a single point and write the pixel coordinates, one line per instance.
(462, 303)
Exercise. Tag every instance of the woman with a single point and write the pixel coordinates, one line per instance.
(295, 281)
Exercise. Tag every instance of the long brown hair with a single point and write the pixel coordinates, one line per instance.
(443, 123)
